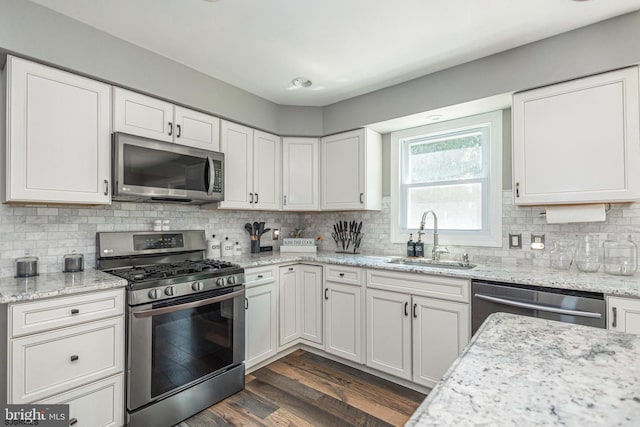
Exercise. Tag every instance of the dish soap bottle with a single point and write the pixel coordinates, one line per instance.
(411, 246)
(419, 247)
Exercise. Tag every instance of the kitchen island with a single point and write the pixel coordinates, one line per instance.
(520, 371)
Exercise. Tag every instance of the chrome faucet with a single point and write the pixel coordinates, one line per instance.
(436, 250)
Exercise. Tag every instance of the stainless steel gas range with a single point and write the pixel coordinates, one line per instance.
(185, 323)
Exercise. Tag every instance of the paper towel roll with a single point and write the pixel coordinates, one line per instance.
(576, 213)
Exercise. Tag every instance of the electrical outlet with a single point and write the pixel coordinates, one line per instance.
(537, 241)
(515, 241)
(275, 234)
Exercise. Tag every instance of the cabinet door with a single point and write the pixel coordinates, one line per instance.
(389, 332)
(196, 129)
(98, 404)
(310, 280)
(440, 332)
(343, 314)
(342, 171)
(624, 314)
(289, 306)
(300, 174)
(579, 141)
(59, 137)
(266, 171)
(236, 143)
(142, 115)
(261, 323)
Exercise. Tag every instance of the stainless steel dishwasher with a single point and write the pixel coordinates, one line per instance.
(579, 307)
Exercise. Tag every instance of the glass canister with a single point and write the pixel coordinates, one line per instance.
(562, 254)
(620, 256)
(587, 256)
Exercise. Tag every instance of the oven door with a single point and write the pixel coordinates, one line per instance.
(146, 169)
(175, 344)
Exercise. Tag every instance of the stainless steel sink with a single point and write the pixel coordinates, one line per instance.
(426, 262)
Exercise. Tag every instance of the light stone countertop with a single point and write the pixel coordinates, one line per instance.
(594, 282)
(54, 284)
(523, 371)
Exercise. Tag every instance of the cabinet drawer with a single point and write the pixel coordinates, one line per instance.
(54, 362)
(99, 404)
(260, 275)
(343, 274)
(448, 288)
(31, 317)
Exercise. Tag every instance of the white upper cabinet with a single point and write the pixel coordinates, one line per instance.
(578, 141)
(300, 174)
(252, 168)
(58, 136)
(142, 115)
(351, 171)
(196, 129)
(149, 117)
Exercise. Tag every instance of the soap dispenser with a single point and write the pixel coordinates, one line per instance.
(419, 247)
(411, 246)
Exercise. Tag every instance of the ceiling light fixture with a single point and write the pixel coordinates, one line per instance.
(301, 82)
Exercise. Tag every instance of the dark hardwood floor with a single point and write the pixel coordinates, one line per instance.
(303, 389)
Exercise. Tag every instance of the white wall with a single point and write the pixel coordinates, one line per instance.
(35, 32)
(599, 47)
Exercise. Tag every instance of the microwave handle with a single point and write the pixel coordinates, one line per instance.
(211, 175)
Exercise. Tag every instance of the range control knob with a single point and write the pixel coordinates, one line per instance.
(197, 286)
(231, 280)
(154, 293)
(169, 291)
(220, 282)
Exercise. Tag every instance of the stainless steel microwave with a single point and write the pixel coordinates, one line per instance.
(146, 170)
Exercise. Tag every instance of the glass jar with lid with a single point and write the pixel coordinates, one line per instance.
(561, 255)
(620, 256)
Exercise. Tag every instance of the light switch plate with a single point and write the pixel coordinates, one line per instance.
(515, 241)
(537, 241)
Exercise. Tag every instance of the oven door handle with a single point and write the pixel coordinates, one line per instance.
(194, 304)
(539, 307)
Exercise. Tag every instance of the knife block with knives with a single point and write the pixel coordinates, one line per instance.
(348, 236)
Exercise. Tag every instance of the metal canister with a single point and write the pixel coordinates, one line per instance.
(27, 266)
(73, 262)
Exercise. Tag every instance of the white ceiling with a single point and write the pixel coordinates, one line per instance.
(346, 47)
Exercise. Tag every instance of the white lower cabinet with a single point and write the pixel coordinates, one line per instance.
(300, 304)
(96, 405)
(344, 312)
(69, 350)
(389, 332)
(261, 332)
(414, 336)
(623, 314)
(440, 332)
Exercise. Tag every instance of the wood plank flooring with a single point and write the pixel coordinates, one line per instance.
(303, 389)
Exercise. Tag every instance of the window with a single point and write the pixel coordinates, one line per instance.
(455, 169)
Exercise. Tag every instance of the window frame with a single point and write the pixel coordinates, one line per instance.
(491, 236)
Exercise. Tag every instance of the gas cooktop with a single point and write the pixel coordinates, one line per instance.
(135, 274)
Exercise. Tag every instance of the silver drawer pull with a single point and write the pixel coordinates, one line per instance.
(75, 311)
(341, 274)
(73, 421)
(74, 357)
(260, 276)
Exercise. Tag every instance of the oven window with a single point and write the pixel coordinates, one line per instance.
(190, 344)
(146, 167)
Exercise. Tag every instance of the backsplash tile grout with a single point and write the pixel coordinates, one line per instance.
(51, 232)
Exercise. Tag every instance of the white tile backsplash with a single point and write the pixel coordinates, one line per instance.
(50, 232)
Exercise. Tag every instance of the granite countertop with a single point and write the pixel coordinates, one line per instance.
(54, 284)
(538, 276)
(519, 371)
